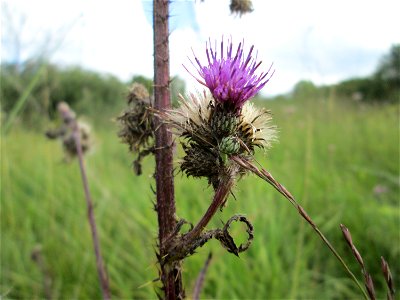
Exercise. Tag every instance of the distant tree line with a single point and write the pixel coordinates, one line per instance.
(88, 92)
(84, 90)
(96, 94)
(382, 86)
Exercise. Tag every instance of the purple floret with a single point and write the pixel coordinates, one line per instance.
(232, 78)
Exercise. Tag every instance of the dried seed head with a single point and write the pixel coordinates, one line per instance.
(66, 132)
(241, 7)
(69, 141)
(66, 113)
(369, 284)
(136, 121)
(137, 124)
(138, 93)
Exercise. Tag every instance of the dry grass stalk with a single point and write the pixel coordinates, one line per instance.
(265, 175)
(367, 277)
(388, 279)
(369, 285)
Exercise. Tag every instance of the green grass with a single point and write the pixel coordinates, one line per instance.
(331, 155)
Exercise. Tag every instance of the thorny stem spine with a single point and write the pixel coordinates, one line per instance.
(103, 278)
(171, 277)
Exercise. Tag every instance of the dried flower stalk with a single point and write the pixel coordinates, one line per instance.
(75, 142)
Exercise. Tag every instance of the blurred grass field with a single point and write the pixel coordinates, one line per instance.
(339, 159)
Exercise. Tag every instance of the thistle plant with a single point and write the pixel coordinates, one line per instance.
(214, 127)
(220, 131)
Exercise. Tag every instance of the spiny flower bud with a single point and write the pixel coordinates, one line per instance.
(229, 145)
(223, 124)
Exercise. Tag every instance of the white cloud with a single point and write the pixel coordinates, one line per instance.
(317, 40)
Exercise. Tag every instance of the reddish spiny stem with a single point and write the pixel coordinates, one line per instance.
(170, 276)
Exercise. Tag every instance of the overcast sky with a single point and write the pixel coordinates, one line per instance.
(322, 41)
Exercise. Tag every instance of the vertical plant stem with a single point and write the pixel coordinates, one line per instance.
(170, 275)
(103, 278)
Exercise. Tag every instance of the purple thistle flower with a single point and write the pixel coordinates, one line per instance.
(231, 79)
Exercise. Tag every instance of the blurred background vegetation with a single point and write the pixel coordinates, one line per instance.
(338, 153)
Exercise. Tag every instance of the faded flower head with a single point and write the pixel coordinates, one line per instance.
(211, 135)
(66, 132)
(138, 93)
(69, 141)
(241, 7)
(136, 121)
(137, 124)
(231, 76)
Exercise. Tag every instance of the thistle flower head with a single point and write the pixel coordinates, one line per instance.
(231, 76)
(211, 134)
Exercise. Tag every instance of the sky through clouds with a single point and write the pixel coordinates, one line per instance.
(322, 41)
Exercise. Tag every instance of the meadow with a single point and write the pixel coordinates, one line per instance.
(338, 158)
